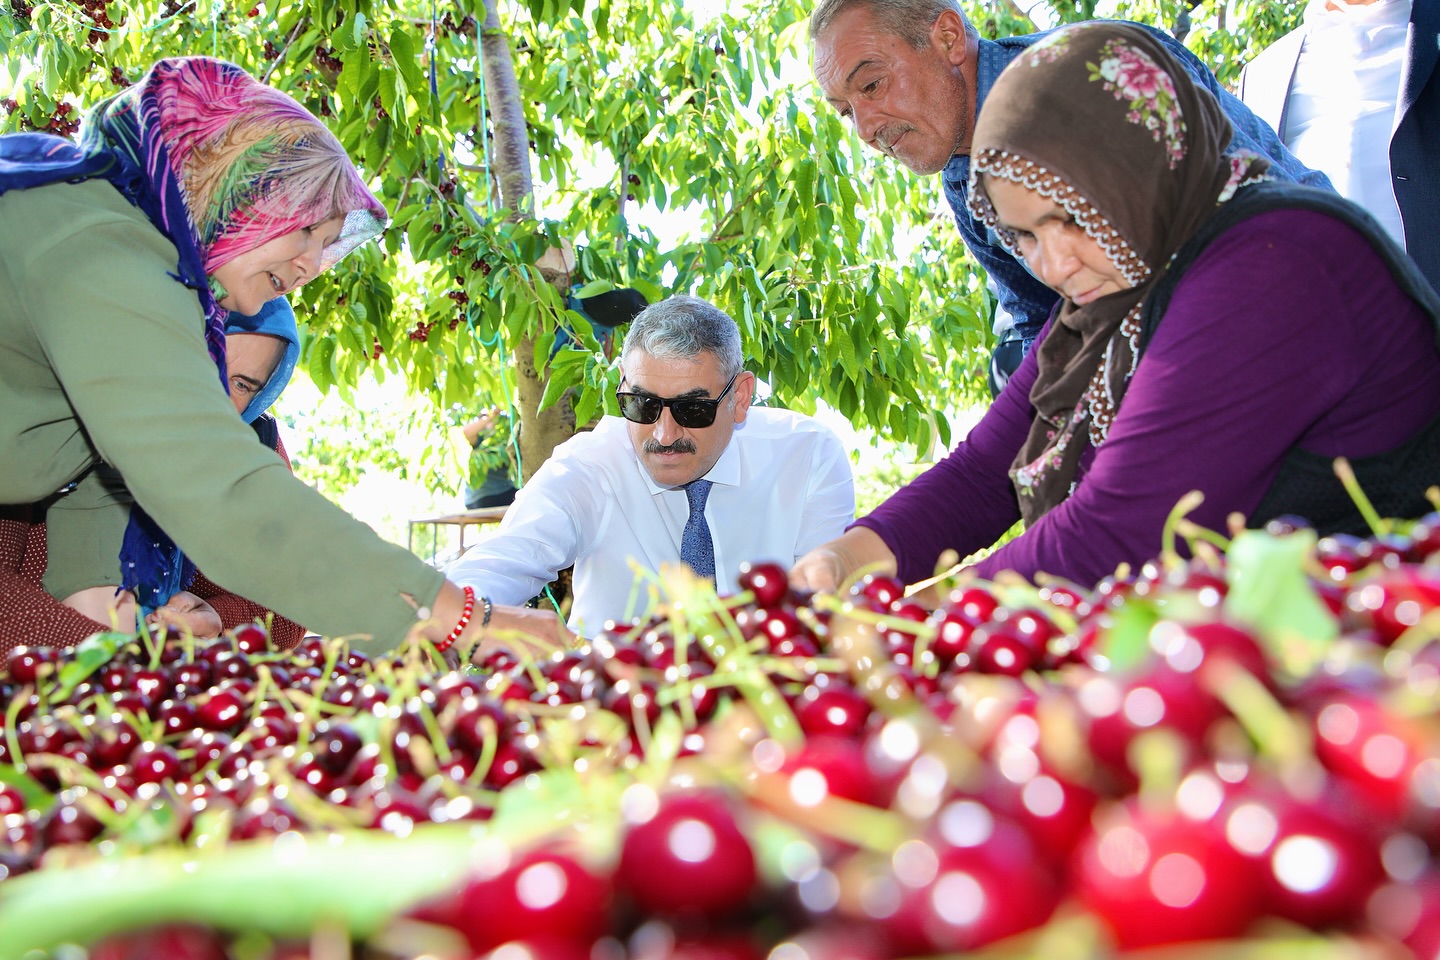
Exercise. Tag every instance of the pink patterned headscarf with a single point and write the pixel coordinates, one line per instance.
(221, 164)
(251, 163)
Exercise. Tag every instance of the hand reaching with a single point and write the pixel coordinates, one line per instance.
(515, 626)
(187, 612)
(826, 567)
(821, 570)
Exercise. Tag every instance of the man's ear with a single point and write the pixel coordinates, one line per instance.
(950, 37)
(744, 395)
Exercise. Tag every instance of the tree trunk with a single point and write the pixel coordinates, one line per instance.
(540, 430)
(511, 146)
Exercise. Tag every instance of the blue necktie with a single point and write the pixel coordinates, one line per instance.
(696, 548)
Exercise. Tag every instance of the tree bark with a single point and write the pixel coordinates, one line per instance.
(540, 430)
(511, 154)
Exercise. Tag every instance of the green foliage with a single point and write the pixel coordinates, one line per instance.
(875, 484)
(1254, 25)
(336, 445)
(493, 452)
(713, 123)
(1226, 34)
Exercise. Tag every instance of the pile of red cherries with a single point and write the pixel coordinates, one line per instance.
(797, 777)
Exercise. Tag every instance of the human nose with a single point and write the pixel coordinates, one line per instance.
(1054, 261)
(667, 431)
(867, 122)
(307, 263)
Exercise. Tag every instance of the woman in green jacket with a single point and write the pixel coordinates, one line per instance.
(196, 191)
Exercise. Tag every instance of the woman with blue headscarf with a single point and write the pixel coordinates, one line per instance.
(261, 352)
(266, 342)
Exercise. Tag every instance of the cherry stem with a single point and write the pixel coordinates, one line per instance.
(641, 721)
(12, 717)
(1071, 936)
(89, 797)
(683, 684)
(151, 647)
(1156, 757)
(1195, 535)
(714, 624)
(636, 584)
(1274, 731)
(332, 656)
(1419, 634)
(1346, 473)
(1170, 554)
(262, 689)
(488, 746)
(874, 673)
(422, 754)
(858, 824)
(279, 692)
(83, 780)
(313, 810)
(145, 728)
(1213, 559)
(432, 729)
(1433, 495)
(712, 644)
(949, 566)
(384, 742)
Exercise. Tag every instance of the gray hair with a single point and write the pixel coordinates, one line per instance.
(682, 328)
(910, 20)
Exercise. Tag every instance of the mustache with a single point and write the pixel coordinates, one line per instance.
(887, 136)
(679, 446)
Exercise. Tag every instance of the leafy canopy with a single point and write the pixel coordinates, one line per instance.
(677, 152)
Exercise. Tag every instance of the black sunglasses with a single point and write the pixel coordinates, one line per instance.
(692, 413)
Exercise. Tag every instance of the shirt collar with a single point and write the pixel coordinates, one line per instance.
(726, 470)
(989, 62)
(957, 172)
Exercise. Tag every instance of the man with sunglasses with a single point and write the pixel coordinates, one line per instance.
(690, 472)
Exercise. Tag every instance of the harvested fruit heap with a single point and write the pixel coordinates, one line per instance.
(1241, 747)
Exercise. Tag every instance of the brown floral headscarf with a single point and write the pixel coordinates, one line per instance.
(1101, 119)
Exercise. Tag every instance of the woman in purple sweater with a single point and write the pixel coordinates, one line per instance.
(1217, 333)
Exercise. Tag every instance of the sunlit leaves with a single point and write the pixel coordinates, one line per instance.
(845, 272)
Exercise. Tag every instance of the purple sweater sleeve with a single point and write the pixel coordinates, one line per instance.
(1288, 330)
(965, 501)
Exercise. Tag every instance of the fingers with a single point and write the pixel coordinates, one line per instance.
(197, 618)
(535, 633)
(818, 570)
(562, 631)
(125, 612)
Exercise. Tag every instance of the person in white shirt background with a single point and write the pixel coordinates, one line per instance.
(1353, 91)
(692, 473)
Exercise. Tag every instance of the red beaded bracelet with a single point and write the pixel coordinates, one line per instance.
(449, 641)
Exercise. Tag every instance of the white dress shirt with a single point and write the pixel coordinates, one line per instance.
(782, 487)
(1344, 98)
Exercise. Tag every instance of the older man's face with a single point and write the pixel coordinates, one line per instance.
(674, 455)
(913, 105)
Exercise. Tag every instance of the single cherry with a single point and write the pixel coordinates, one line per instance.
(546, 892)
(689, 858)
(767, 582)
